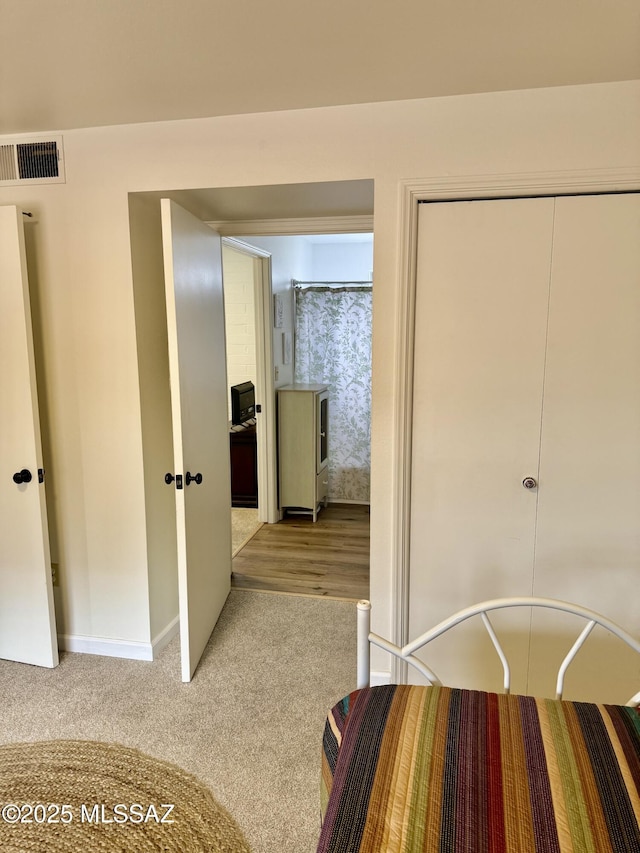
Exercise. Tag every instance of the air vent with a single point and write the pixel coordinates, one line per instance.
(31, 161)
(8, 166)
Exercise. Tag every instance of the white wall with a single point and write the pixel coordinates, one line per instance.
(86, 296)
(342, 261)
(290, 258)
(239, 317)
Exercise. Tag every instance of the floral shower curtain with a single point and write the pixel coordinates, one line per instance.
(333, 346)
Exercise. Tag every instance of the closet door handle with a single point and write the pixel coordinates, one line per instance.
(23, 476)
(529, 483)
(193, 478)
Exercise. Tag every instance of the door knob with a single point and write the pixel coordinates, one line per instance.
(23, 476)
(529, 483)
(193, 478)
(169, 478)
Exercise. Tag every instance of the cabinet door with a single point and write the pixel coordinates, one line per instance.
(297, 443)
(481, 316)
(322, 418)
(588, 546)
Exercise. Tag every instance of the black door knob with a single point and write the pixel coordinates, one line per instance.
(193, 478)
(23, 476)
(169, 478)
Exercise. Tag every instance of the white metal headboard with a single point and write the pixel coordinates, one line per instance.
(366, 637)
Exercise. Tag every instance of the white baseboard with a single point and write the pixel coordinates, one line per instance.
(119, 648)
(165, 636)
(105, 647)
(376, 678)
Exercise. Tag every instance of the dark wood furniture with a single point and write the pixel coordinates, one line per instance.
(244, 465)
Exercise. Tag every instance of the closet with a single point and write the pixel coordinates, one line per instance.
(525, 475)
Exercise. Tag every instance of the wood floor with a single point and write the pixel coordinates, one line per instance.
(329, 558)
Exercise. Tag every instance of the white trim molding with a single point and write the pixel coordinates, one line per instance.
(105, 647)
(508, 185)
(411, 193)
(165, 636)
(303, 225)
(241, 246)
(112, 648)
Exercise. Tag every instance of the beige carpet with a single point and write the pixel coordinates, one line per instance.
(64, 796)
(244, 526)
(249, 725)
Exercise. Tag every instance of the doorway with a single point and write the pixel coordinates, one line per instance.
(339, 206)
(247, 288)
(324, 283)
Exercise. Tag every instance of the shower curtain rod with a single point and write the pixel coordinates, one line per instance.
(296, 283)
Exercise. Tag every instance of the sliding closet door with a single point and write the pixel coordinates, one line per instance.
(481, 318)
(588, 540)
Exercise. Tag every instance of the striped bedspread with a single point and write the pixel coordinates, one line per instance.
(438, 770)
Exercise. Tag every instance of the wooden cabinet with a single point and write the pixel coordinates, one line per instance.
(303, 447)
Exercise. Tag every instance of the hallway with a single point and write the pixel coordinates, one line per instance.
(329, 558)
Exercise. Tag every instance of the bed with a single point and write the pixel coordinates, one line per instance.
(409, 768)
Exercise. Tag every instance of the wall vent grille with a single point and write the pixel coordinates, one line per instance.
(32, 161)
(8, 168)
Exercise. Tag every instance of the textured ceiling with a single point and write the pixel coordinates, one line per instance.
(83, 63)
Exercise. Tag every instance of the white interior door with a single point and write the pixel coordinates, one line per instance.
(587, 541)
(481, 314)
(198, 378)
(27, 617)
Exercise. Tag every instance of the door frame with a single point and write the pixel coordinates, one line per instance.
(230, 230)
(412, 192)
(265, 387)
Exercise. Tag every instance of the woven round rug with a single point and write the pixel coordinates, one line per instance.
(68, 796)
